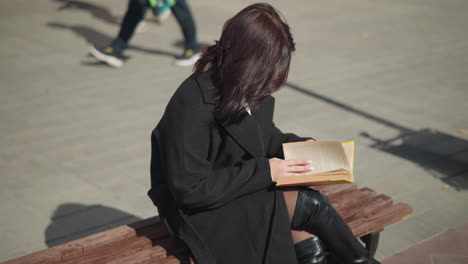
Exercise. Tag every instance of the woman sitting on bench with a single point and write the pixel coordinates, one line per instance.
(216, 154)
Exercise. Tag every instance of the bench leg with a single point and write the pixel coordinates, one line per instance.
(371, 241)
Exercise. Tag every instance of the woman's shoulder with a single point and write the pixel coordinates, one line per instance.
(188, 89)
(189, 98)
(195, 89)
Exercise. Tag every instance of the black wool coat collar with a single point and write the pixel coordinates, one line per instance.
(247, 131)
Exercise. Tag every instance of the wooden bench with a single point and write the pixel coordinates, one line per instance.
(147, 241)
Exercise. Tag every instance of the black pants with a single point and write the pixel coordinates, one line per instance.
(136, 11)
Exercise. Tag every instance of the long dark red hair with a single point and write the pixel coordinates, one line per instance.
(250, 61)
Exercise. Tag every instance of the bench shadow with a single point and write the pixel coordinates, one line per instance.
(72, 221)
(443, 156)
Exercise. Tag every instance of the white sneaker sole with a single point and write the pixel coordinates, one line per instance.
(188, 62)
(111, 60)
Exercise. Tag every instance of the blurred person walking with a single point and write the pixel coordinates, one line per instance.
(112, 54)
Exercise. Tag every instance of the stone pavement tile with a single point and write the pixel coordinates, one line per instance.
(442, 259)
(448, 248)
(21, 228)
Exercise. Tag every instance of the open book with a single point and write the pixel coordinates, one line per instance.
(333, 162)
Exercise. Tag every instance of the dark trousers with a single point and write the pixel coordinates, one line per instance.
(136, 11)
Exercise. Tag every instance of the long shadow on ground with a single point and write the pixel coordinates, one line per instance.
(98, 39)
(444, 156)
(97, 11)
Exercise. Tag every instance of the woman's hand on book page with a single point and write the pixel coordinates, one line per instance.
(287, 168)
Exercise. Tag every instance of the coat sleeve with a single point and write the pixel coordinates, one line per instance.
(192, 179)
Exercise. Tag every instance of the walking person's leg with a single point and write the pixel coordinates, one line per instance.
(135, 13)
(113, 53)
(310, 211)
(184, 17)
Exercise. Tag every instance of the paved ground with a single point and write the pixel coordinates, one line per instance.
(74, 134)
(448, 248)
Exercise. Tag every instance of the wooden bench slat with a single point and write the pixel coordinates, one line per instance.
(79, 248)
(147, 241)
(156, 255)
(152, 255)
(333, 191)
(353, 199)
(119, 250)
(154, 231)
(381, 219)
(106, 240)
(334, 188)
(380, 202)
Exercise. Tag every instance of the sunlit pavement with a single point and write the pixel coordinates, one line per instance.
(74, 133)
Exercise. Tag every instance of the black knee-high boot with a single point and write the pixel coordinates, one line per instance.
(315, 214)
(310, 251)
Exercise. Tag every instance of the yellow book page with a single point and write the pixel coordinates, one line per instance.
(333, 162)
(348, 148)
(325, 155)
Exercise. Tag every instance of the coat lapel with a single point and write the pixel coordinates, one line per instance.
(207, 87)
(245, 131)
(248, 134)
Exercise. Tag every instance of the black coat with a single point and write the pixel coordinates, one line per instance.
(211, 180)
